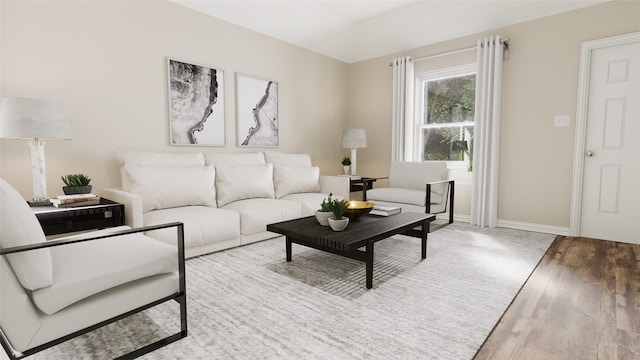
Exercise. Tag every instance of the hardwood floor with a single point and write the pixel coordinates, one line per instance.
(581, 302)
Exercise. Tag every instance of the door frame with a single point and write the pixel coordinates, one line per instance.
(586, 49)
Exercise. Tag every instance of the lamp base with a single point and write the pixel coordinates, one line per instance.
(38, 173)
(37, 203)
(353, 160)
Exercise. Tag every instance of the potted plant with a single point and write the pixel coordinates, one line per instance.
(323, 214)
(346, 164)
(338, 222)
(76, 184)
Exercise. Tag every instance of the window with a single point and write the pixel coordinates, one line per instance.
(445, 122)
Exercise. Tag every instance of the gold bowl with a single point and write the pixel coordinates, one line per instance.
(357, 209)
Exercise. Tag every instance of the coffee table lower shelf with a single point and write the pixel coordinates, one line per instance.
(364, 232)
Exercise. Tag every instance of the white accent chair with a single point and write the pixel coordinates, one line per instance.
(53, 291)
(418, 187)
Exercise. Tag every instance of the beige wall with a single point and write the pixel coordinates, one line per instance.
(106, 61)
(540, 81)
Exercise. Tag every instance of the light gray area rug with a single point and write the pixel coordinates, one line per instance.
(249, 303)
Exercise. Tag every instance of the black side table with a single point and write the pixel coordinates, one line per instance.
(363, 184)
(80, 218)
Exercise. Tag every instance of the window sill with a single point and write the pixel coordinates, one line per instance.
(459, 171)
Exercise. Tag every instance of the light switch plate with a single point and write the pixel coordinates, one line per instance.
(562, 121)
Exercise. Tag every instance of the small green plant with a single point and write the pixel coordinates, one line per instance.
(346, 161)
(76, 180)
(326, 204)
(338, 207)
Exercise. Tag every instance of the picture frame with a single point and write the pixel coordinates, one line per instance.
(257, 111)
(196, 104)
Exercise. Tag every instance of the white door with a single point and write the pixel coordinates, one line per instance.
(610, 207)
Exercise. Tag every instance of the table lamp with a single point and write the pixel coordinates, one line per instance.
(35, 120)
(354, 139)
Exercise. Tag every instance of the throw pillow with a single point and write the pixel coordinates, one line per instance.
(295, 179)
(243, 182)
(164, 187)
(155, 158)
(18, 227)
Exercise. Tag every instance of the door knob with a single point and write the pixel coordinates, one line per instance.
(589, 153)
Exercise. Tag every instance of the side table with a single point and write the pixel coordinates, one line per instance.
(363, 184)
(80, 218)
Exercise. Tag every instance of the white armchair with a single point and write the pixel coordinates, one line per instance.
(417, 186)
(53, 291)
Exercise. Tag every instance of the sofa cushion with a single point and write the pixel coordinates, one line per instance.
(243, 182)
(18, 227)
(155, 158)
(295, 179)
(202, 225)
(249, 158)
(402, 196)
(88, 268)
(255, 214)
(279, 158)
(164, 187)
(415, 175)
(310, 201)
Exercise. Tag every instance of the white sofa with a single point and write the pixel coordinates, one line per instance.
(223, 199)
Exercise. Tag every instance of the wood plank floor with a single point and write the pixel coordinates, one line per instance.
(581, 302)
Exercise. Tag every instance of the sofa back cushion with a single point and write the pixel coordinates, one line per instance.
(155, 158)
(415, 175)
(237, 182)
(279, 158)
(295, 179)
(164, 187)
(18, 227)
(248, 158)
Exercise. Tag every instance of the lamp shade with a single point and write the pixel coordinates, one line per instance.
(354, 138)
(26, 118)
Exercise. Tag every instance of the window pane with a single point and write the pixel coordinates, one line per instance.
(449, 100)
(453, 143)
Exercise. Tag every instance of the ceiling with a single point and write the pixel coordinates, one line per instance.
(354, 30)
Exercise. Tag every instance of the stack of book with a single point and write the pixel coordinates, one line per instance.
(64, 201)
(385, 210)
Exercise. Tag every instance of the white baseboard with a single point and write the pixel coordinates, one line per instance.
(518, 225)
(541, 228)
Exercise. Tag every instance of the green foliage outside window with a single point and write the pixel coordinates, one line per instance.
(448, 101)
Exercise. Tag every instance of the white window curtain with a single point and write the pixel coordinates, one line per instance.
(402, 117)
(484, 193)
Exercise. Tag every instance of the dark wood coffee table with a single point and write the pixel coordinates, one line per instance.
(363, 232)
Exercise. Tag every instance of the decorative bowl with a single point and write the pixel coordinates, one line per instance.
(357, 209)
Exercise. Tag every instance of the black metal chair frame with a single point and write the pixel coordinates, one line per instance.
(450, 192)
(180, 297)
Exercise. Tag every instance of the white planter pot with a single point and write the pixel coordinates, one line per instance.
(346, 169)
(338, 225)
(323, 217)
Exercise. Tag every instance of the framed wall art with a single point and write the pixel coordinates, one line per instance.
(196, 104)
(257, 112)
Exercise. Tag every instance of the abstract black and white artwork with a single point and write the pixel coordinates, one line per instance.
(196, 104)
(257, 112)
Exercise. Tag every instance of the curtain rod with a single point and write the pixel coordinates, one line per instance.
(504, 42)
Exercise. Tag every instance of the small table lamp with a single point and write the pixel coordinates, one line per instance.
(354, 139)
(36, 120)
